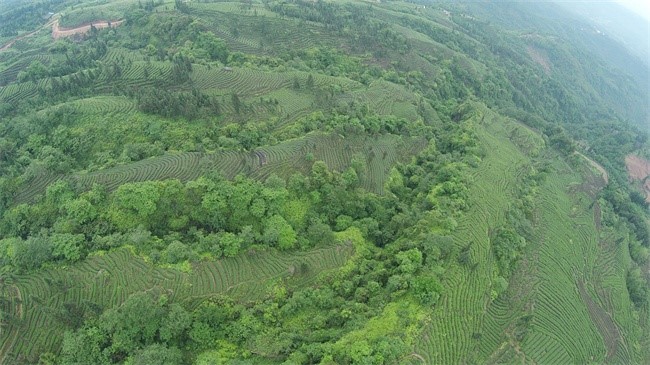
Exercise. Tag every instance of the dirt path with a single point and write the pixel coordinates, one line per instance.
(13, 335)
(604, 323)
(58, 32)
(52, 21)
(418, 356)
(598, 214)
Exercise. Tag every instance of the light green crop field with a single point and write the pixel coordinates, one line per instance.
(249, 82)
(15, 92)
(103, 105)
(11, 69)
(448, 338)
(566, 303)
(579, 276)
(38, 300)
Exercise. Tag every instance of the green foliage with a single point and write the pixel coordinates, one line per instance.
(129, 330)
(165, 103)
(35, 71)
(427, 289)
(176, 252)
(230, 244)
(67, 246)
(156, 354)
(507, 246)
(31, 253)
(409, 261)
(215, 47)
(134, 204)
(637, 287)
(278, 232)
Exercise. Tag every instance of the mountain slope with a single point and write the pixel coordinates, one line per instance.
(334, 182)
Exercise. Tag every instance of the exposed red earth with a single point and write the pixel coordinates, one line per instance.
(58, 32)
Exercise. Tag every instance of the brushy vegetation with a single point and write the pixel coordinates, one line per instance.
(324, 182)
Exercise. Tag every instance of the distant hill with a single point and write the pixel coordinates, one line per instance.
(617, 22)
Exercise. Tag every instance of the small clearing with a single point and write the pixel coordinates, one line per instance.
(638, 169)
(58, 32)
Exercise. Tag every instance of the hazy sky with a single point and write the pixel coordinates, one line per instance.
(641, 7)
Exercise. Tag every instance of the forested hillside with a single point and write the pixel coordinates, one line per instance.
(321, 182)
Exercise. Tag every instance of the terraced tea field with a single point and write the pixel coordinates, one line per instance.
(381, 154)
(15, 92)
(134, 75)
(248, 82)
(567, 303)
(258, 30)
(37, 301)
(449, 338)
(576, 283)
(104, 105)
(385, 98)
(292, 104)
(10, 73)
(189, 88)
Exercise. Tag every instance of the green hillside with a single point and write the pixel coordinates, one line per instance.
(44, 300)
(377, 155)
(330, 182)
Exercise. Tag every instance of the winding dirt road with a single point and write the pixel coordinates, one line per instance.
(58, 32)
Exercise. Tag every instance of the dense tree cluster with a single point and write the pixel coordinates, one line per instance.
(171, 104)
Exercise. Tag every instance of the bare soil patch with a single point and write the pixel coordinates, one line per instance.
(604, 322)
(540, 58)
(597, 216)
(595, 178)
(58, 32)
(638, 169)
(597, 166)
